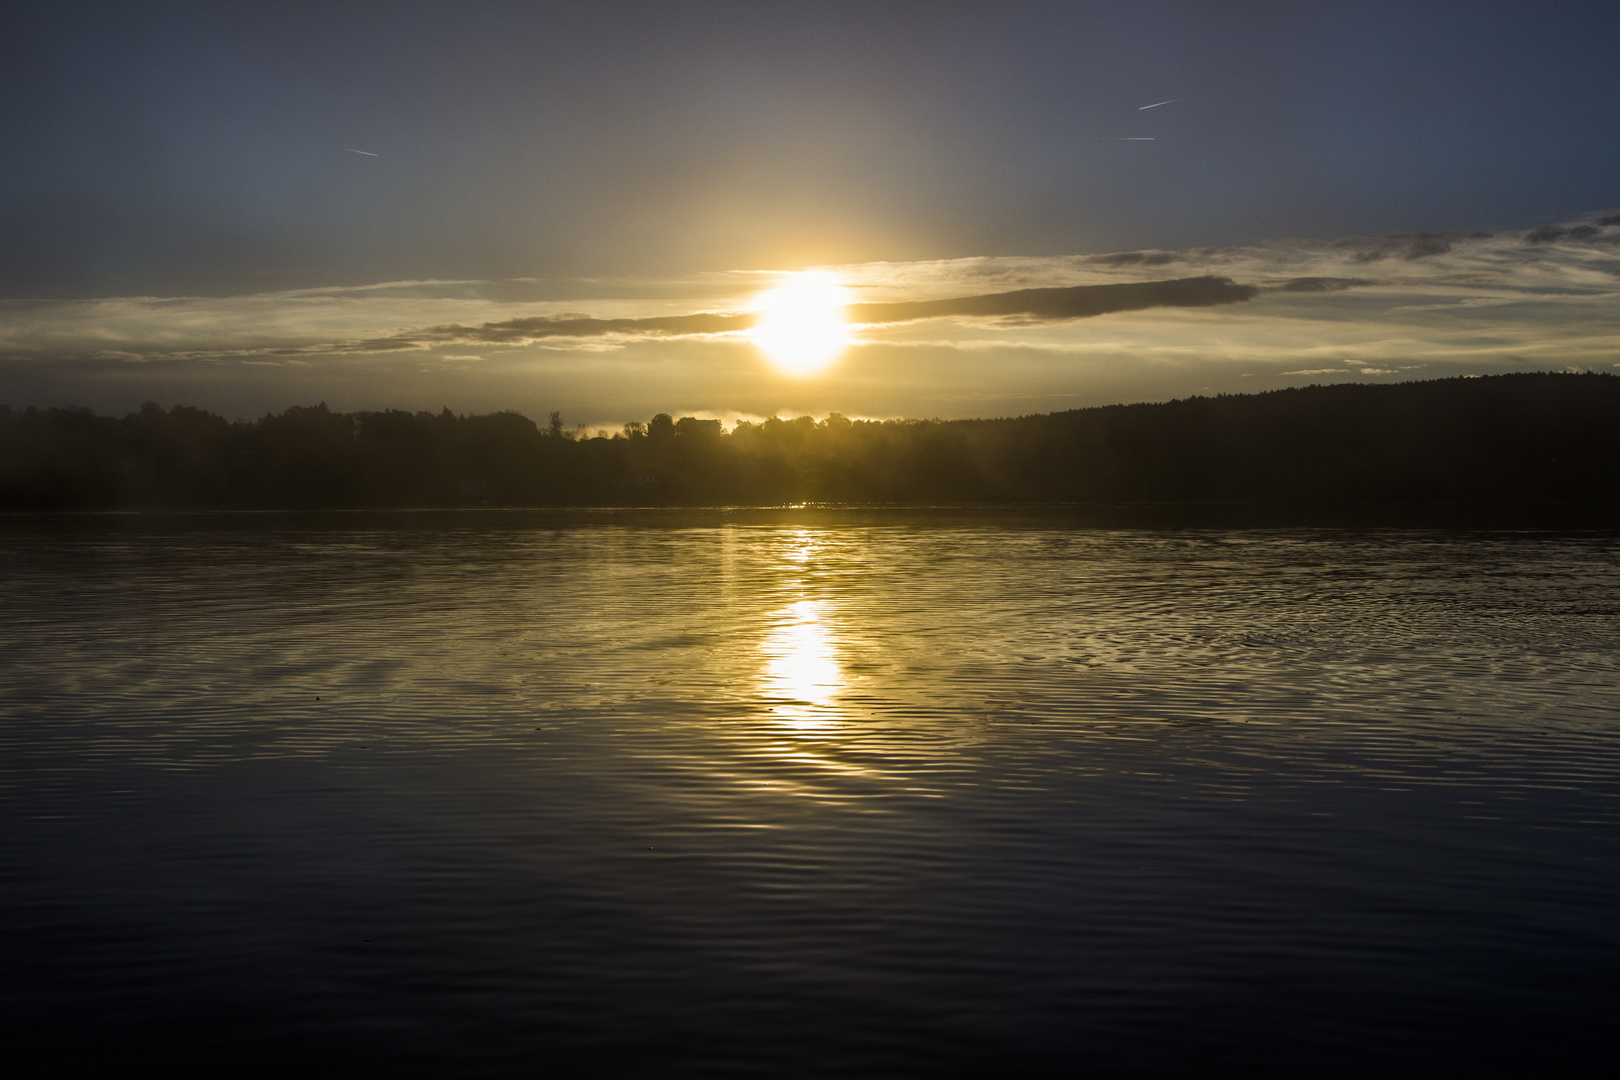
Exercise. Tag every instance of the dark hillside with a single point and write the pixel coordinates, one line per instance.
(1508, 438)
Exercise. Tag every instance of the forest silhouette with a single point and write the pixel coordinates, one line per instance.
(1506, 438)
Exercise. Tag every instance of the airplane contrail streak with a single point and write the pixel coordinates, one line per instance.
(1156, 104)
(1134, 138)
(368, 153)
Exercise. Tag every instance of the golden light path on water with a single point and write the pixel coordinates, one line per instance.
(799, 664)
(802, 676)
(802, 328)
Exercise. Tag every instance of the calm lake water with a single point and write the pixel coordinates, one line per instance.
(804, 793)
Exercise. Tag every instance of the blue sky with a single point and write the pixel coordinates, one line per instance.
(628, 160)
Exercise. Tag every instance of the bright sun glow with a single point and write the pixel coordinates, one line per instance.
(801, 326)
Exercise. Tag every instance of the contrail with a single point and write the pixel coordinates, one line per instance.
(1156, 104)
(368, 153)
(1134, 138)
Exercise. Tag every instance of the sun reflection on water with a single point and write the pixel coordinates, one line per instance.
(810, 739)
(801, 666)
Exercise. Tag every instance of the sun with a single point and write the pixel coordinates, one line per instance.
(801, 327)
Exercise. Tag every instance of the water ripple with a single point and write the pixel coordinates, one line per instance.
(892, 795)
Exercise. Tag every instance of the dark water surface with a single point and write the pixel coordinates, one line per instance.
(805, 793)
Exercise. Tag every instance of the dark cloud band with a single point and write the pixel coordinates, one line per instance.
(1075, 302)
(1320, 284)
(519, 331)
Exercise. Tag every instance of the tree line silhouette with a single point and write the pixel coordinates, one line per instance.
(1519, 437)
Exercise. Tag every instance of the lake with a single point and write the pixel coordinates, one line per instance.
(804, 792)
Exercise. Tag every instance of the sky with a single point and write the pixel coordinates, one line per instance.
(528, 206)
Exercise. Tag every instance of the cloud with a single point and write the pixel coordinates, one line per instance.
(1132, 258)
(528, 331)
(1320, 284)
(1552, 234)
(1547, 234)
(1408, 246)
(1426, 245)
(1074, 302)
